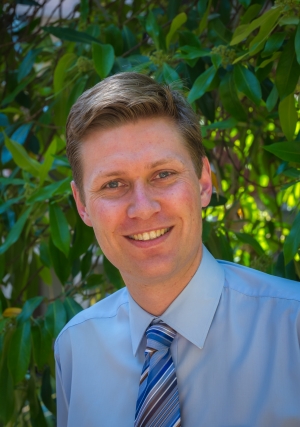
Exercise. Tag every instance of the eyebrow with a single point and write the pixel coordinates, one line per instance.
(162, 162)
(148, 166)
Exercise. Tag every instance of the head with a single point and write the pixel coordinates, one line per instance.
(126, 98)
(141, 177)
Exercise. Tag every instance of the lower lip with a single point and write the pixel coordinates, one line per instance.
(150, 243)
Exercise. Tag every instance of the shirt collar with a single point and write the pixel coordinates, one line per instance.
(192, 312)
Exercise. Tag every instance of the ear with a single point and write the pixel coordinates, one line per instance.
(80, 206)
(205, 183)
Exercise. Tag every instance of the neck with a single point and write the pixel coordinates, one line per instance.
(156, 297)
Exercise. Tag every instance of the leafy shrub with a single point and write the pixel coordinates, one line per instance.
(239, 64)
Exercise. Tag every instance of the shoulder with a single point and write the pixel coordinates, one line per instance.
(104, 309)
(254, 283)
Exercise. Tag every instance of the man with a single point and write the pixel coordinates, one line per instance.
(190, 341)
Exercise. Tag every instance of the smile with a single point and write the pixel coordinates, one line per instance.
(149, 235)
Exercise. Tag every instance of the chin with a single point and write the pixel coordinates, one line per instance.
(153, 271)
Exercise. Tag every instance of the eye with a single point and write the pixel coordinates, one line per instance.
(113, 184)
(163, 174)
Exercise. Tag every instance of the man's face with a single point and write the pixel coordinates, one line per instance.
(144, 199)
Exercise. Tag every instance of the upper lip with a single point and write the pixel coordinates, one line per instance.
(148, 231)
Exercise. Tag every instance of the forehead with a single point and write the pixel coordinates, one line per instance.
(141, 129)
(133, 144)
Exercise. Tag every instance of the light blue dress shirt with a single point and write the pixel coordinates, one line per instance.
(237, 353)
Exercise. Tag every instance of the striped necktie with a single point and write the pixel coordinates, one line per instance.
(158, 402)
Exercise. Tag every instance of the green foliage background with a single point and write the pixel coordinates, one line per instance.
(238, 61)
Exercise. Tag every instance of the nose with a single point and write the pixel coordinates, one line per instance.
(143, 203)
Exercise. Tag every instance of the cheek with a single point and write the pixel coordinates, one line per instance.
(186, 199)
(105, 216)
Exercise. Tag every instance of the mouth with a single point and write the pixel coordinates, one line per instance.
(150, 235)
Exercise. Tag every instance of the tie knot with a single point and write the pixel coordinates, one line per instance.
(160, 336)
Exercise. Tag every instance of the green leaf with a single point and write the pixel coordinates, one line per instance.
(7, 401)
(247, 83)
(230, 98)
(61, 70)
(93, 281)
(45, 254)
(297, 43)
(288, 151)
(273, 44)
(86, 262)
(265, 30)
(113, 36)
(282, 269)
(250, 13)
(37, 418)
(201, 7)
(70, 35)
(15, 232)
(60, 233)
(19, 352)
(11, 96)
(217, 200)
(28, 308)
(289, 20)
(55, 318)
(190, 54)
(103, 57)
(113, 274)
(288, 70)
(4, 120)
(129, 39)
(41, 343)
(83, 238)
(226, 250)
(249, 240)
(46, 391)
(49, 191)
(170, 75)
(264, 63)
(272, 99)
(288, 116)
(48, 160)
(21, 157)
(72, 307)
(177, 22)
(224, 124)
(77, 90)
(219, 246)
(11, 181)
(153, 30)
(245, 3)
(269, 17)
(4, 207)
(27, 64)
(20, 135)
(220, 31)
(201, 84)
(203, 22)
(60, 263)
(292, 241)
(2, 273)
(84, 10)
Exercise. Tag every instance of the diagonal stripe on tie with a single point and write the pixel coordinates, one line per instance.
(158, 400)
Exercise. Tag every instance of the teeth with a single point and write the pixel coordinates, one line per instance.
(149, 235)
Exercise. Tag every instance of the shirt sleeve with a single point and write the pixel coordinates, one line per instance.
(61, 400)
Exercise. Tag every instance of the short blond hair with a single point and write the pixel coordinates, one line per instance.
(128, 97)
